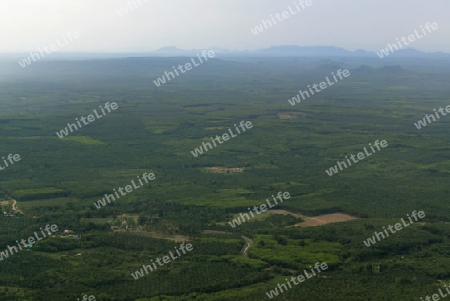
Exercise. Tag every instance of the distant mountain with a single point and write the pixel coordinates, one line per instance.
(364, 69)
(296, 51)
(328, 65)
(274, 51)
(169, 49)
(393, 69)
(302, 51)
(362, 53)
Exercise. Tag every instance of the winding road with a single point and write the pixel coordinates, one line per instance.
(248, 243)
(14, 205)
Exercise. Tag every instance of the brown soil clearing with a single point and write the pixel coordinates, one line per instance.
(318, 220)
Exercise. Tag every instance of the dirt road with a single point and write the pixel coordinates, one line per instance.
(14, 206)
(248, 243)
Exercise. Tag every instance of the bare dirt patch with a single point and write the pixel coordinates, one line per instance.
(224, 169)
(317, 220)
(175, 238)
(325, 219)
(289, 115)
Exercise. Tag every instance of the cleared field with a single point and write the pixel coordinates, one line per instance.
(175, 238)
(317, 220)
(46, 202)
(325, 219)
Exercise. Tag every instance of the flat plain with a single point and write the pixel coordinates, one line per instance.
(288, 149)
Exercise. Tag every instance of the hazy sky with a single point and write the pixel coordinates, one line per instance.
(26, 25)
